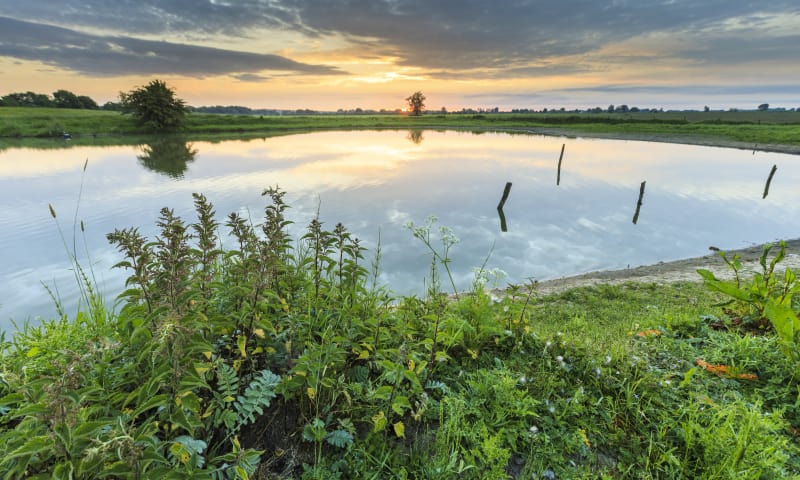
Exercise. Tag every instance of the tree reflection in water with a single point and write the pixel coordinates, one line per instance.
(415, 136)
(167, 155)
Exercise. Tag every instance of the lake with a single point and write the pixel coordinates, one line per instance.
(375, 182)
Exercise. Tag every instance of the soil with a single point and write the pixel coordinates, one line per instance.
(677, 271)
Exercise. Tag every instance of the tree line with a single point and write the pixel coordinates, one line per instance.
(59, 99)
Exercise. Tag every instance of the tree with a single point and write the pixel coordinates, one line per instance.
(66, 99)
(764, 107)
(416, 103)
(154, 106)
(87, 103)
(27, 99)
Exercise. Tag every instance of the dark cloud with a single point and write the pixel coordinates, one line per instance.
(118, 55)
(250, 77)
(507, 35)
(501, 38)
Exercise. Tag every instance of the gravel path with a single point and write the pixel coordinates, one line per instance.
(679, 270)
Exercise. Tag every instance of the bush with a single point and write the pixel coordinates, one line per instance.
(155, 106)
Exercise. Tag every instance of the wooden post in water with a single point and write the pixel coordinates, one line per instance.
(506, 191)
(769, 180)
(560, 157)
(503, 226)
(639, 203)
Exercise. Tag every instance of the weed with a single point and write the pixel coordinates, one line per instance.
(278, 360)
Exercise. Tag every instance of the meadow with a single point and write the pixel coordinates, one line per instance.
(756, 127)
(282, 358)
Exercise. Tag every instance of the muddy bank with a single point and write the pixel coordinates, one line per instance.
(676, 271)
(706, 141)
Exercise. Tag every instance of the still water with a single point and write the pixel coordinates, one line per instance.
(375, 182)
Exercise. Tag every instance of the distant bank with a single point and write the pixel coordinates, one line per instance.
(777, 131)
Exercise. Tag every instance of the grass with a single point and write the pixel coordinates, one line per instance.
(768, 127)
(280, 359)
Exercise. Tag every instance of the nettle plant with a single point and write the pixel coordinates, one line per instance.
(273, 357)
(767, 298)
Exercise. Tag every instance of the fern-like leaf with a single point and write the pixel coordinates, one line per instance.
(257, 396)
(227, 381)
(339, 438)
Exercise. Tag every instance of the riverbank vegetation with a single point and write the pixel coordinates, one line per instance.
(752, 127)
(281, 358)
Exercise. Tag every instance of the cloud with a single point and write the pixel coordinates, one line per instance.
(119, 55)
(250, 77)
(508, 36)
(477, 38)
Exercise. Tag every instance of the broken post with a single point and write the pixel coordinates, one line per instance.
(503, 226)
(769, 180)
(560, 157)
(639, 203)
(506, 191)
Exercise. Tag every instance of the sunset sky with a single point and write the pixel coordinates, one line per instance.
(330, 54)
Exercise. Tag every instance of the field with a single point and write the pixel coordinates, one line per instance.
(751, 127)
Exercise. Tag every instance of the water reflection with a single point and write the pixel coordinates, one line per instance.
(167, 155)
(506, 191)
(639, 203)
(769, 180)
(415, 136)
(377, 181)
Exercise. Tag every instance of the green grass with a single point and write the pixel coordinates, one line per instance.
(752, 127)
(279, 359)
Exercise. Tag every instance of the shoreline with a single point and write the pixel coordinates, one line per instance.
(699, 140)
(684, 270)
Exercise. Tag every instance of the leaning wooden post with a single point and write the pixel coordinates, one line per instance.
(503, 226)
(639, 203)
(769, 180)
(506, 191)
(560, 157)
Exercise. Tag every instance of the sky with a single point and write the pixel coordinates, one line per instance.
(372, 54)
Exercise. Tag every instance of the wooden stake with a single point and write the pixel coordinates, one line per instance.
(506, 191)
(639, 203)
(769, 180)
(560, 157)
(503, 226)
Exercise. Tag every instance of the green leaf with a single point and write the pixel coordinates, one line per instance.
(382, 393)
(401, 404)
(35, 445)
(241, 343)
(340, 438)
(153, 402)
(399, 430)
(257, 396)
(783, 319)
(241, 473)
(728, 288)
(378, 422)
(63, 471)
(314, 431)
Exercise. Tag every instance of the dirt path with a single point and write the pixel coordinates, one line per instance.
(679, 270)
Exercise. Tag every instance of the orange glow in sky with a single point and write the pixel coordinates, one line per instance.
(333, 55)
